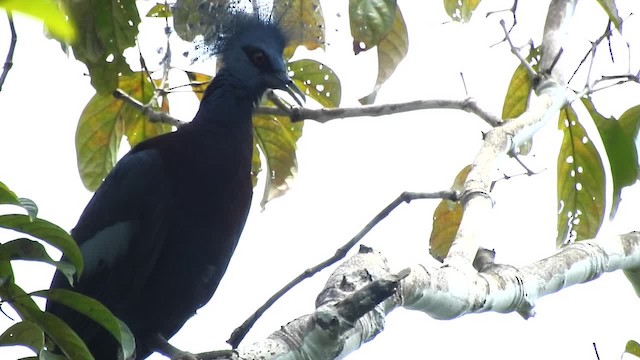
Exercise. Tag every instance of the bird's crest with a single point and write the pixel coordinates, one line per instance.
(232, 21)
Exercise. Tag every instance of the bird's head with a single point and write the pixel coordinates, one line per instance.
(252, 55)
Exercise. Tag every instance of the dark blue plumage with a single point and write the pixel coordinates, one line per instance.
(159, 232)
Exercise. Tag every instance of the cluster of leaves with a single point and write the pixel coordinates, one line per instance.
(581, 187)
(35, 323)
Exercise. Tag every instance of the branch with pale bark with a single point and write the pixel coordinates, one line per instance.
(442, 292)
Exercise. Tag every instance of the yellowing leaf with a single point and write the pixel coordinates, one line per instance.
(581, 183)
(609, 7)
(446, 220)
(199, 83)
(159, 10)
(103, 122)
(517, 100)
(302, 21)
(460, 10)
(276, 138)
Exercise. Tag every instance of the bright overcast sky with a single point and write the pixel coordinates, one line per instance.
(348, 171)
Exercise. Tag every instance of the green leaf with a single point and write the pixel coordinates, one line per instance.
(94, 310)
(25, 333)
(317, 81)
(621, 151)
(630, 124)
(159, 10)
(632, 348)
(106, 28)
(371, 21)
(302, 21)
(47, 11)
(446, 220)
(609, 7)
(103, 122)
(391, 50)
(460, 10)
(26, 249)
(8, 197)
(64, 337)
(581, 183)
(57, 330)
(6, 274)
(47, 232)
(276, 137)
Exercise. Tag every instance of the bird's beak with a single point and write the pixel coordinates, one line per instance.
(283, 82)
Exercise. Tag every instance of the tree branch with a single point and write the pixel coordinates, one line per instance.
(502, 140)
(240, 332)
(326, 115)
(443, 293)
(8, 63)
(154, 116)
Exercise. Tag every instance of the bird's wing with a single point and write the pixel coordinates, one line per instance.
(120, 233)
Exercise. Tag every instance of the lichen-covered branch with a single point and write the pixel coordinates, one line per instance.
(443, 292)
(505, 139)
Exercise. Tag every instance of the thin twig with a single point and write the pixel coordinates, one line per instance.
(154, 116)
(240, 332)
(512, 10)
(516, 52)
(8, 63)
(326, 115)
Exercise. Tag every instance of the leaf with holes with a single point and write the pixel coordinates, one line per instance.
(47, 232)
(581, 183)
(96, 312)
(621, 151)
(302, 21)
(317, 81)
(609, 7)
(391, 50)
(106, 28)
(103, 122)
(276, 138)
(159, 10)
(198, 82)
(371, 21)
(446, 220)
(25, 333)
(460, 10)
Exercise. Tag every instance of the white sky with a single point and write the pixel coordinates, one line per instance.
(349, 170)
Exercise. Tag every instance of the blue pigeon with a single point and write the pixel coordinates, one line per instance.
(158, 234)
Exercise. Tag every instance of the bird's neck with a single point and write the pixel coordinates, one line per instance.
(224, 101)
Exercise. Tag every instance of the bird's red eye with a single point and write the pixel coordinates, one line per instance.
(258, 58)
